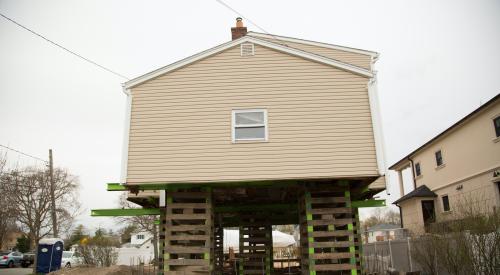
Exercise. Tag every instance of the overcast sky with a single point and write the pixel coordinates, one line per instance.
(439, 60)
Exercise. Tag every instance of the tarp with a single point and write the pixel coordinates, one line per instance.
(232, 239)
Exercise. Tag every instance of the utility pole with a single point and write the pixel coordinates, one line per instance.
(52, 195)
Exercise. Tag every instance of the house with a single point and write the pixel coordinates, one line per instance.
(384, 232)
(459, 168)
(262, 130)
(139, 250)
(9, 241)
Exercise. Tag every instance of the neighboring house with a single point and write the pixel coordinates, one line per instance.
(259, 131)
(140, 238)
(458, 168)
(384, 232)
(10, 240)
(140, 249)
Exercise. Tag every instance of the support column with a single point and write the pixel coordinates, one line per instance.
(161, 238)
(256, 245)
(218, 248)
(189, 232)
(327, 231)
(401, 186)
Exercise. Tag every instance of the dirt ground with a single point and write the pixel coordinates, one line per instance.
(112, 270)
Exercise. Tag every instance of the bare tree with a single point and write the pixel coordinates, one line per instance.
(28, 190)
(143, 223)
(6, 220)
(381, 215)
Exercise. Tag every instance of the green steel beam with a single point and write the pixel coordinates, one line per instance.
(116, 187)
(368, 203)
(124, 212)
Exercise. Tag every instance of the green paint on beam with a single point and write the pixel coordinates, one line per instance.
(354, 272)
(157, 222)
(350, 227)
(311, 250)
(310, 228)
(124, 212)
(116, 187)
(368, 203)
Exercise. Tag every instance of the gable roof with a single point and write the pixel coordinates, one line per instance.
(248, 38)
(314, 43)
(449, 129)
(420, 192)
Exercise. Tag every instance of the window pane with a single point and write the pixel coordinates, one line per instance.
(417, 169)
(249, 118)
(446, 203)
(250, 133)
(439, 158)
(497, 126)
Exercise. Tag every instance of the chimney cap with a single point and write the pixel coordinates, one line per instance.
(239, 22)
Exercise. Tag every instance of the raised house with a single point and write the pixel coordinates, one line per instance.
(259, 131)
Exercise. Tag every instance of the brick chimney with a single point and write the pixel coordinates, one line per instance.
(239, 30)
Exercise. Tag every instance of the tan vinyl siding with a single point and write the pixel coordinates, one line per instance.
(356, 59)
(318, 121)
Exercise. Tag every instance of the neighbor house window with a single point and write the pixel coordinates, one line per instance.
(418, 172)
(140, 237)
(439, 158)
(249, 125)
(496, 122)
(446, 203)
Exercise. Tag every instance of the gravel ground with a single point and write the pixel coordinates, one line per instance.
(15, 271)
(112, 270)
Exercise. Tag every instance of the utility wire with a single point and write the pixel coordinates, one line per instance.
(242, 16)
(25, 154)
(64, 48)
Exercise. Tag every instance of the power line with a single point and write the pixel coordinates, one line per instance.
(64, 48)
(242, 16)
(22, 153)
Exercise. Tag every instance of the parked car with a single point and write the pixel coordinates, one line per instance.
(10, 258)
(70, 259)
(28, 259)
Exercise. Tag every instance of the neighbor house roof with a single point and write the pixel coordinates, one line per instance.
(383, 226)
(420, 192)
(253, 38)
(449, 129)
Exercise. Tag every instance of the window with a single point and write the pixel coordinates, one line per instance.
(249, 125)
(496, 122)
(140, 237)
(446, 203)
(417, 169)
(439, 158)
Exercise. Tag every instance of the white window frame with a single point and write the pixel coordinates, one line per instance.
(234, 126)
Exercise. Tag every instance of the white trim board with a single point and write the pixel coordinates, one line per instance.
(314, 43)
(307, 55)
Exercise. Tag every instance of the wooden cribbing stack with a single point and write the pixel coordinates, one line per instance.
(328, 242)
(188, 234)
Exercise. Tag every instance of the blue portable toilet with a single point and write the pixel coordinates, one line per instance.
(49, 255)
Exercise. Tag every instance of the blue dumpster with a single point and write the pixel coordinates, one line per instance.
(49, 255)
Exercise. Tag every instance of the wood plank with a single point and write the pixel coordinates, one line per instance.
(331, 244)
(329, 200)
(330, 222)
(181, 228)
(340, 255)
(333, 267)
(335, 233)
(203, 216)
(177, 205)
(338, 210)
(188, 262)
(187, 237)
(177, 249)
(188, 195)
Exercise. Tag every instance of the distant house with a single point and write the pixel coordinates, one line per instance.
(10, 240)
(140, 249)
(458, 168)
(384, 232)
